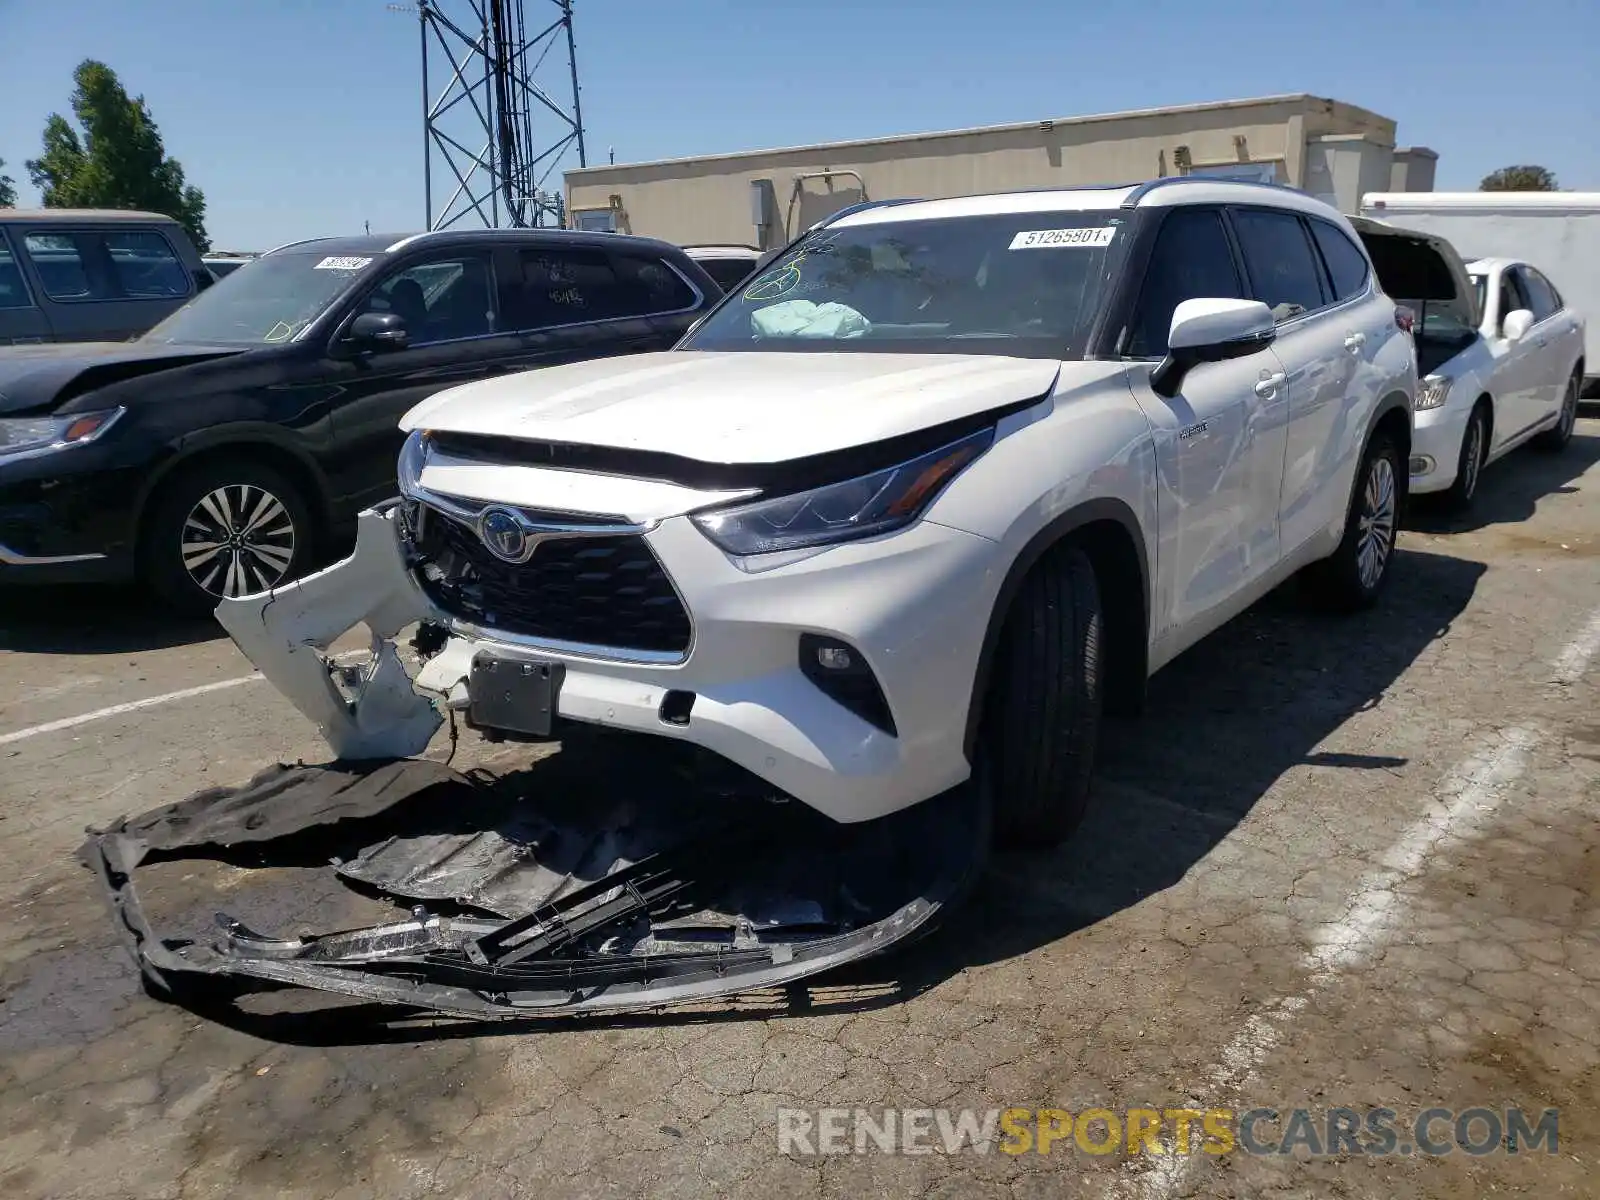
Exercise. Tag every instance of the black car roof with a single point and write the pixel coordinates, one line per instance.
(381, 244)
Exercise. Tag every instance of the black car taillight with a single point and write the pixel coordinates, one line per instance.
(841, 672)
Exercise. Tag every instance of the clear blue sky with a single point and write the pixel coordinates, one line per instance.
(302, 117)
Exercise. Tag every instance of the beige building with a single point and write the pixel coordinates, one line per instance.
(763, 197)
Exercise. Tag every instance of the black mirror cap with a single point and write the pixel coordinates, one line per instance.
(1167, 378)
(378, 331)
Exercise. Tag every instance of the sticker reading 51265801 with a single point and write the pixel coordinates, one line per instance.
(336, 263)
(1061, 239)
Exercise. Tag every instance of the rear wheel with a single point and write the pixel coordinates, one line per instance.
(1555, 438)
(1469, 466)
(1042, 722)
(1353, 575)
(224, 528)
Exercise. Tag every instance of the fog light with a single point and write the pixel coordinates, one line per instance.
(1421, 464)
(834, 658)
(841, 673)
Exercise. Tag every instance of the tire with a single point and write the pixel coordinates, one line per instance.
(1469, 465)
(1044, 707)
(1340, 580)
(220, 497)
(1555, 439)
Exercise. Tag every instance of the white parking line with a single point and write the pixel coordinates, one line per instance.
(1574, 658)
(1465, 802)
(116, 710)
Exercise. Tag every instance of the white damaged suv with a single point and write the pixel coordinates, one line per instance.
(920, 499)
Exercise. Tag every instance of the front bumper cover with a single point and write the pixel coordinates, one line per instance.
(576, 904)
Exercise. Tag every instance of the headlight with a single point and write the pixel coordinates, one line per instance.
(413, 457)
(36, 435)
(863, 507)
(1434, 391)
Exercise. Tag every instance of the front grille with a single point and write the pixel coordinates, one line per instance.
(602, 591)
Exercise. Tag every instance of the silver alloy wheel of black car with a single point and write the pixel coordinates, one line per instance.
(237, 540)
(1376, 522)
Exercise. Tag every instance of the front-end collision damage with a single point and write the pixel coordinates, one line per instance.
(287, 633)
(584, 887)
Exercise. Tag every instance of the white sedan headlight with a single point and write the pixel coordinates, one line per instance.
(868, 505)
(36, 435)
(1434, 391)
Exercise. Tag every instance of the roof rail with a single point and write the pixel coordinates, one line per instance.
(862, 206)
(296, 242)
(1144, 189)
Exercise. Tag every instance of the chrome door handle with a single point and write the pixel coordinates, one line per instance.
(1355, 341)
(1269, 386)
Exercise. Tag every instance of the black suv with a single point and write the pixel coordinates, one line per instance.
(225, 450)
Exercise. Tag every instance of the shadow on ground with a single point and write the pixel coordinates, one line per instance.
(1511, 488)
(1223, 723)
(95, 619)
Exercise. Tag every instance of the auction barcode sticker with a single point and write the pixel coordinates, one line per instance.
(1055, 239)
(341, 264)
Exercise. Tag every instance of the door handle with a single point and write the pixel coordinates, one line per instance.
(1355, 341)
(1268, 387)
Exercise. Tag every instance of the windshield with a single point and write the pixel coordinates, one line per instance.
(271, 302)
(1022, 284)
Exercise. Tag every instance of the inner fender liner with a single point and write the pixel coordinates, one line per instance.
(513, 903)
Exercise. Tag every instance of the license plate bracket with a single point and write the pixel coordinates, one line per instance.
(514, 695)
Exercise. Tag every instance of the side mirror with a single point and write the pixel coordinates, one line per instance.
(1211, 329)
(1516, 325)
(373, 331)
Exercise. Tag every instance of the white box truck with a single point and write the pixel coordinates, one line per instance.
(1557, 232)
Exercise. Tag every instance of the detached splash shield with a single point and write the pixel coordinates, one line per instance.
(530, 894)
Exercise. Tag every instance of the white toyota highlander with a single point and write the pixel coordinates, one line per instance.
(915, 503)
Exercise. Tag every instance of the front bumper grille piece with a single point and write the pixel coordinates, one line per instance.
(605, 591)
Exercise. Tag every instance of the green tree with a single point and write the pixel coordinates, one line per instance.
(8, 189)
(118, 161)
(1519, 179)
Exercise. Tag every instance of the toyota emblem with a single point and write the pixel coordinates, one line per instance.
(502, 532)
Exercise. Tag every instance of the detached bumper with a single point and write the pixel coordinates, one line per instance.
(913, 606)
(1436, 436)
(557, 899)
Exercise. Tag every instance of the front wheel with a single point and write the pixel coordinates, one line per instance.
(224, 528)
(1555, 439)
(1043, 715)
(1474, 448)
(1353, 575)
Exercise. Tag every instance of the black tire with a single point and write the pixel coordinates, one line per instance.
(180, 516)
(1469, 465)
(1555, 439)
(1042, 720)
(1339, 580)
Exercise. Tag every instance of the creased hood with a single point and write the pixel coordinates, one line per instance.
(736, 407)
(44, 376)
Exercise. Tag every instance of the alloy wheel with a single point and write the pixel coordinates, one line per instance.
(1472, 459)
(238, 540)
(1375, 525)
(1569, 409)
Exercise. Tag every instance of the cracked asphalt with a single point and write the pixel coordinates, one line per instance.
(1339, 862)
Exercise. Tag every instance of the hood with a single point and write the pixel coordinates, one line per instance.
(47, 376)
(1415, 268)
(737, 407)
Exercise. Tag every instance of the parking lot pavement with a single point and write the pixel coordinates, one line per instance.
(1339, 863)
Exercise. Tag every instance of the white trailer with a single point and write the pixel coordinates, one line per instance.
(1557, 232)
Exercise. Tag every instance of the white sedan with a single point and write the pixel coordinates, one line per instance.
(1515, 379)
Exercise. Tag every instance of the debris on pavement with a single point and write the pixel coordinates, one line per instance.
(511, 902)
